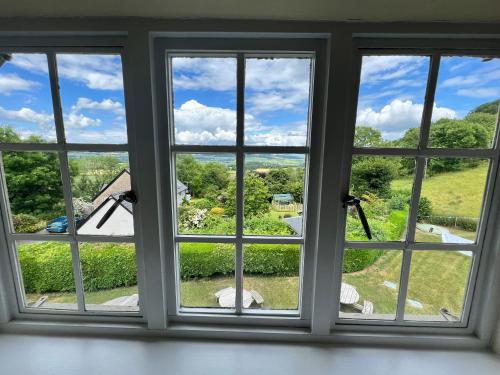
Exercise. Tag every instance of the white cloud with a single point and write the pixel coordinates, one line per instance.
(283, 135)
(27, 115)
(104, 105)
(376, 69)
(99, 72)
(398, 116)
(480, 92)
(115, 135)
(200, 73)
(12, 82)
(77, 120)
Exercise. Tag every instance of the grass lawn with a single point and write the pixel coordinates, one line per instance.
(94, 298)
(453, 193)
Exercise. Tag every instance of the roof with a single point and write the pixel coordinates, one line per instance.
(181, 187)
(295, 223)
(283, 197)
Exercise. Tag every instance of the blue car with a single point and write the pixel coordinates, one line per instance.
(60, 224)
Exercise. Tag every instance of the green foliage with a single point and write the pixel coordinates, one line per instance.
(267, 224)
(424, 208)
(366, 136)
(256, 196)
(24, 223)
(399, 200)
(372, 175)
(47, 266)
(93, 173)
(451, 133)
(202, 203)
(278, 181)
(34, 183)
(491, 108)
(465, 223)
(204, 260)
(357, 260)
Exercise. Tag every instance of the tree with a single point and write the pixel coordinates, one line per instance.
(278, 181)
(255, 193)
(214, 179)
(491, 107)
(189, 172)
(33, 179)
(367, 137)
(373, 175)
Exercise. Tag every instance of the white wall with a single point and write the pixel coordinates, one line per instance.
(121, 222)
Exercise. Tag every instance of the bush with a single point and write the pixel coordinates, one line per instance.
(372, 175)
(204, 260)
(357, 260)
(25, 223)
(424, 208)
(465, 223)
(217, 211)
(203, 203)
(47, 266)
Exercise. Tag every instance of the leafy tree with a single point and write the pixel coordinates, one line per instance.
(278, 181)
(491, 107)
(373, 175)
(256, 195)
(214, 178)
(450, 133)
(366, 136)
(189, 172)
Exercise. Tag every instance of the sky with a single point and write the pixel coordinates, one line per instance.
(91, 88)
(277, 95)
(392, 90)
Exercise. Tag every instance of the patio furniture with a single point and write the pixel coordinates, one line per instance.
(227, 298)
(348, 294)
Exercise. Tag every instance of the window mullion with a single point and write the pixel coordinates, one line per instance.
(429, 101)
(240, 116)
(66, 179)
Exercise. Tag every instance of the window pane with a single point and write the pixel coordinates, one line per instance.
(370, 284)
(391, 101)
(384, 185)
(35, 191)
(26, 111)
(451, 200)
(277, 96)
(92, 98)
(97, 179)
(437, 285)
(271, 276)
(109, 274)
(206, 193)
(468, 92)
(274, 194)
(204, 100)
(47, 274)
(206, 272)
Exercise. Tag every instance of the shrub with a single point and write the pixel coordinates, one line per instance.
(27, 223)
(203, 203)
(267, 224)
(357, 260)
(47, 266)
(217, 211)
(372, 175)
(424, 208)
(465, 223)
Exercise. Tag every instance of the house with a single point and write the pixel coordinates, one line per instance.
(121, 222)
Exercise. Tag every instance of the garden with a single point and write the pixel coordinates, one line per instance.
(451, 200)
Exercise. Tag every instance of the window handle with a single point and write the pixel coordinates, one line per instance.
(350, 200)
(128, 196)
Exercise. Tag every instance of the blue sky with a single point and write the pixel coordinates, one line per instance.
(276, 96)
(92, 99)
(392, 90)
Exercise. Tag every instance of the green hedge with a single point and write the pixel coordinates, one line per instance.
(465, 223)
(357, 260)
(47, 266)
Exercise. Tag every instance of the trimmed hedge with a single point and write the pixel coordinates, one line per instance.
(465, 223)
(357, 260)
(47, 266)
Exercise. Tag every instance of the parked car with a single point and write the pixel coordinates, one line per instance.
(60, 224)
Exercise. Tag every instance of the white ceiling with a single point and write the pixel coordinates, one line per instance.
(338, 10)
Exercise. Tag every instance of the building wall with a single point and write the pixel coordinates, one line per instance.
(121, 222)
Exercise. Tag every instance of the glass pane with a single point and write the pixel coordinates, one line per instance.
(370, 284)
(274, 194)
(204, 100)
(277, 97)
(97, 179)
(384, 185)
(451, 200)
(271, 276)
(109, 273)
(206, 193)
(437, 285)
(26, 111)
(206, 272)
(47, 274)
(35, 192)
(391, 101)
(92, 98)
(468, 92)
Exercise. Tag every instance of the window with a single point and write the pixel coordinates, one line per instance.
(64, 164)
(240, 124)
(421, 186)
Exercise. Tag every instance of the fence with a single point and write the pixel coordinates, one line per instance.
(296, 207)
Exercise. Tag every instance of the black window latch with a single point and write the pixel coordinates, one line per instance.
(128, 196)
(350, 200)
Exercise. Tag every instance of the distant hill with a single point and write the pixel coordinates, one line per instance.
(491, 107)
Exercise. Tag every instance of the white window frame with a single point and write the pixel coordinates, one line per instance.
(435, 49)
(51, 46)
(239, 48)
